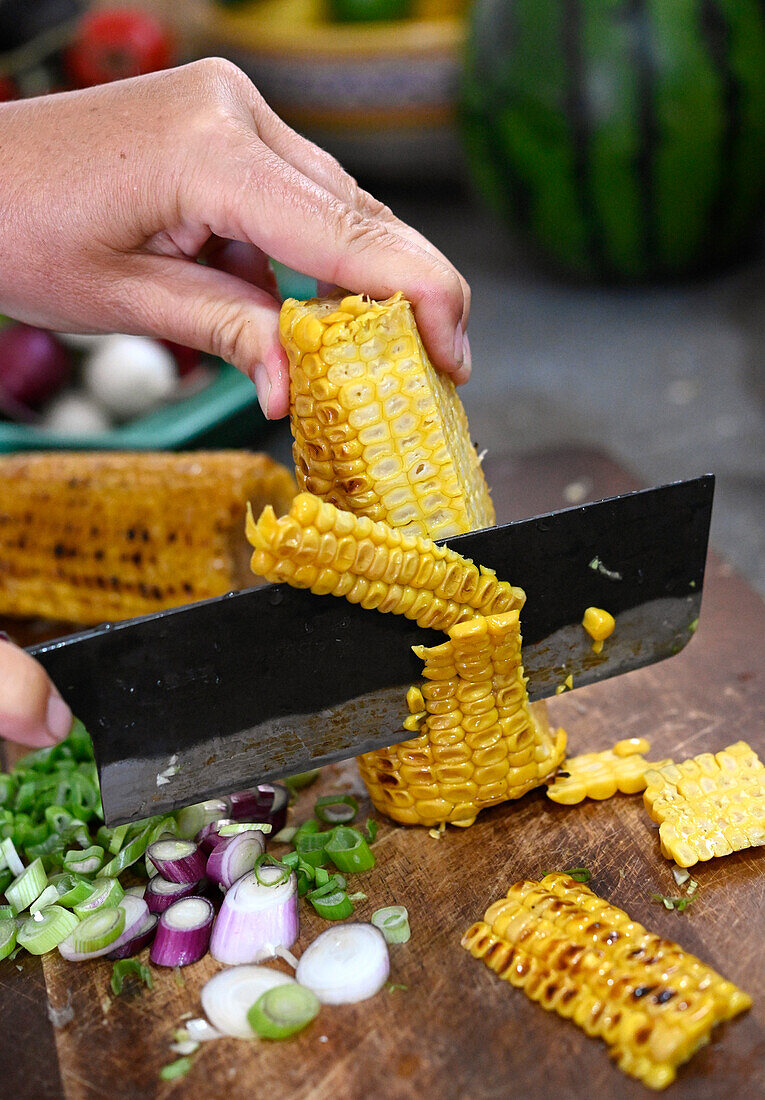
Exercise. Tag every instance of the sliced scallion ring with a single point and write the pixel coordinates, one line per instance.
(49, 896)
(105, 894)
(236, 827)
(266, 860)
(348, 850)
(45, 931)
(28, 886)
(84, 863)
(336, 809)
(333, 906)
(7, 937)
(98, 930)
(9, 857)
(283, 1011)
(393, 922)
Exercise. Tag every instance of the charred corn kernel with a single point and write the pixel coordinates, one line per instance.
(709, 805)
(600, 775)
(92, 537)
(377, 430)
(430, 584)
(599, 624)
(651, 1002)
(480, 742)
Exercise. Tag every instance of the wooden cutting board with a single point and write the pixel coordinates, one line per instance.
(455, 1030)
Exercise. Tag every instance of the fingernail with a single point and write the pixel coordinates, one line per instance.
(262, 385)
(467, 360)
(459, 345)
(58, 718)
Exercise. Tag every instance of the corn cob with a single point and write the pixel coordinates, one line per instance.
(480, 741)
(710, 805)
(331, 551)
(652, 1003)
(90, 537)
(381, 434)
(377, 430)
(600, 775)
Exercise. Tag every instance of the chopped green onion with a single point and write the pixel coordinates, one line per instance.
(28, 886)
(393, 922)
(7, 937)
(266, 860)
(336, 809)
(334, 906)
(84, 863)
(74, 890)
(105, 894)
(282, 1011)
(7, 912)
(7, 789)
(348, 850)
(47, 929)
(131, 852)
(237, 827)
(98, 930)
(123, 967)
(692, 887)
(370, 830)
(285, 835)
(393, 986)
(359, 895)
(6, 878)
(10, 857)
(179, 1068)
(300, 780)
(311, 847)
(118, 838)
(309, 826)
(678, 904)
(321, 876)
(49, 896)
(578, 874)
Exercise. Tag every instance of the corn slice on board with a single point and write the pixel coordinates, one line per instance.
(273, 681)
(457, 1032)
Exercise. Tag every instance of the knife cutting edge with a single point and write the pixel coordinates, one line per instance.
(271, 681)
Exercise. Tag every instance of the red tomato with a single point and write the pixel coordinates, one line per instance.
(113, 44)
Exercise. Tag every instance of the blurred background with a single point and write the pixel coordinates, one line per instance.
(595, 168)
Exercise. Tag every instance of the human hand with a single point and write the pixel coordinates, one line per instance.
(31, 710)
(109, 196)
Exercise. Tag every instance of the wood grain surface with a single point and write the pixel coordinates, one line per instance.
(456, 1031)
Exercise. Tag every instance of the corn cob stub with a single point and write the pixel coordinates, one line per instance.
(377, 430)
(600, 775)
(89, 537)
(480, 742)
(710, 805)
(651, 1002)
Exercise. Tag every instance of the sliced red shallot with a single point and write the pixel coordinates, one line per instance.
(140, 939)
(177, 860)
(234, 856)
(345, 964)
(136, 912)
(183, 932)
(160, 894)
(209, 835)
(256, 917)
(266, 802)
(228, 997)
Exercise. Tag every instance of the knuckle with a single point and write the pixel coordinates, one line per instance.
(358, 232)
(230, 334)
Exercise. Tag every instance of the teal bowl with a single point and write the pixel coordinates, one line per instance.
(224, 414)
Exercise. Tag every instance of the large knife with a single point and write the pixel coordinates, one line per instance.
(271, 681)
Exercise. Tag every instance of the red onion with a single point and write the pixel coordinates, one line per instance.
(266, 802)
(255, 919)
(160, 894)
(177, 860)
(234, 856)
(140, 939)
(209, 835)
(33, 365)
(183, 932)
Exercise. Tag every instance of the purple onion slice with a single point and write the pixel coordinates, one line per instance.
(234, 856)
(209, 835)
(160, 894)
(256, 918)
(266, 802)
(141, 939)
(183, 932)
(177, 860)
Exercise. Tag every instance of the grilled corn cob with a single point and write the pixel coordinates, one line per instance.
(331, 551)
(710, 805)
(381, 434)
(480, 741)
(600, 775)
(652, 1003)
(92, 537)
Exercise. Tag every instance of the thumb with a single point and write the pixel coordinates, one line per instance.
(31, 710)
(178, 299)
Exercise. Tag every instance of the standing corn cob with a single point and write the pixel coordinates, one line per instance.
(93, 537)
(381, 434)
(652, 1003)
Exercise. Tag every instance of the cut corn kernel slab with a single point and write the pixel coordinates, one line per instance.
(600, 775)
(651, 1002)
(334, 552)
(89, 537)
(480, 740)
(709, 805)
(377, 430)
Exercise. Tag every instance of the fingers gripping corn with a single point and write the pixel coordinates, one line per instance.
(710, 805)
(600, 775)
(480, 741)
(652, 1003)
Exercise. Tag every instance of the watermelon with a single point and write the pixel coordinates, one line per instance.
(625, 138)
